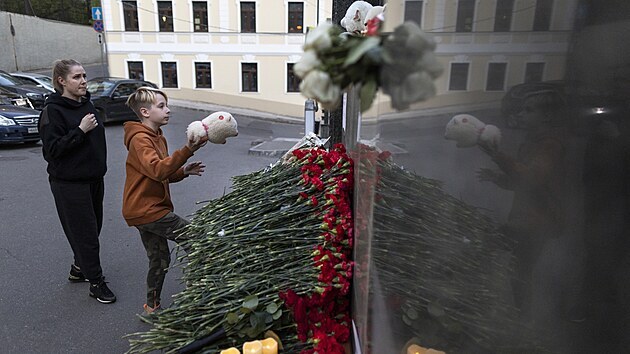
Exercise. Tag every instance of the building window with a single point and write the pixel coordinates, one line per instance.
(459, 77)
(249, 74)
(542, 16)
(136, 70)
(169, 74)
(248, 17)
(534, 72)
(503, 15)
(130, 15)
(496, 77)
(165, 14)
(293, 81)
(200, 16)
(296, 17)
(203, 75)
(413, 11)
(465, 15)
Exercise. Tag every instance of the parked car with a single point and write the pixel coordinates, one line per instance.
(37, 95)
(8, 97)
(18, 125)
(584, 103)
(39, 80)
(109, 95)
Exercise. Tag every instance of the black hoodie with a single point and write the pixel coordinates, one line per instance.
(72, 155)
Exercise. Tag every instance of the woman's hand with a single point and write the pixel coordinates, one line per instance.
(88, 122)
(194, 168)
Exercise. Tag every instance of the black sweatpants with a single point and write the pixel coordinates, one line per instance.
(80, 210)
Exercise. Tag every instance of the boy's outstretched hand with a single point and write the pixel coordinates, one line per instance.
(194, 168)
(195, 145)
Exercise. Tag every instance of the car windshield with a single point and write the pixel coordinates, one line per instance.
(45, 79)
(99, 87)
(8, 80)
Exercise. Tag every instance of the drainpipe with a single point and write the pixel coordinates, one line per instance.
(13, 39)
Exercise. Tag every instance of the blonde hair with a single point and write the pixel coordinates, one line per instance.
(144, 97)
(61, 68)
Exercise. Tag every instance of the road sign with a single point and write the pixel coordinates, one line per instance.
(99, 38)
(97, 13)
(98, 25)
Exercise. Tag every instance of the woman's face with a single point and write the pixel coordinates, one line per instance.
(74, 83)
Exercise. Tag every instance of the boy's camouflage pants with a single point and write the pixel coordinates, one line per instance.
(155, 236)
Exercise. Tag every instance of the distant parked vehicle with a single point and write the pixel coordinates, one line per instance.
(109, 95)
(37, 95)
(584, 104)
(39, 80)
(8, 97)
(18, 125)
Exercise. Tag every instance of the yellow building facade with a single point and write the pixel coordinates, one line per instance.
(240, 53)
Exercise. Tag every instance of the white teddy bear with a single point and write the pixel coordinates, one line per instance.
(354, 20)
(218, 126)
(469, 131)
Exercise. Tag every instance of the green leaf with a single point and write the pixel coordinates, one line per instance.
(407, 320)
(357, 51)
(277, 314)
(272, 308)
(368, 91)
(232, 318)
(254, 319)
(251, 302)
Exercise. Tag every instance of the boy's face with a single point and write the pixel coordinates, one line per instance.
(158, 114)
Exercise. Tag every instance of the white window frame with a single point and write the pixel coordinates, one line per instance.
(194, 74)
(240, 76)
(192, 17)
(507, 68)
(144, 65)
(450, 72)
(161, 80)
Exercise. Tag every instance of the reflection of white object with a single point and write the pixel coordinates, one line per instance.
(218, 126)
(354, 20)
(374, 11)
(468, 131)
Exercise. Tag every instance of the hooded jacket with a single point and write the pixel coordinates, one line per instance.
(149, 169)
(72, 155)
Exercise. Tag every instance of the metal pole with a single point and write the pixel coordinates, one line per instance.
(339, 9)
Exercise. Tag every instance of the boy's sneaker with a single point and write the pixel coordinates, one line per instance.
(150, 312)
(101, 292)
(76, 276)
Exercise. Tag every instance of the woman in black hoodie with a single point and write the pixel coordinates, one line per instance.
(75, 149)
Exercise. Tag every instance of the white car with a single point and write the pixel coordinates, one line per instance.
(36, 79)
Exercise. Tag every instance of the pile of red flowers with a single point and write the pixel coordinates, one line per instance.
(323, 317)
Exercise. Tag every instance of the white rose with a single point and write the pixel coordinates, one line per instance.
(308, 62)
(319, 38)
(319, 86)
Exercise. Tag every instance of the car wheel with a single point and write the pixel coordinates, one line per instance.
(511, 121)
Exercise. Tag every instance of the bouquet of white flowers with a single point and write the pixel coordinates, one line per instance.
(402, 63)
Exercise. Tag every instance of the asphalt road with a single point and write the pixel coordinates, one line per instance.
(40, 311)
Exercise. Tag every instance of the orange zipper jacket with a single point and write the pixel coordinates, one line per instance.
(149, 170)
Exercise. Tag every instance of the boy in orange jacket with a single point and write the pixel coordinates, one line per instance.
(149, 170)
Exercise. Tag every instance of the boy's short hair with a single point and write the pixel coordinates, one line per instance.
(144, 97)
